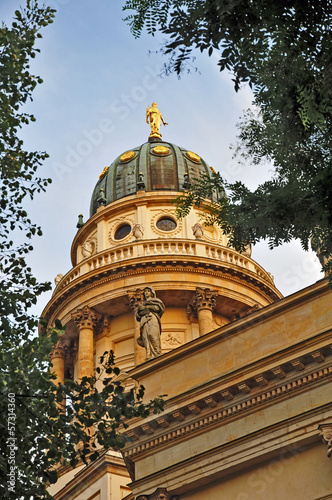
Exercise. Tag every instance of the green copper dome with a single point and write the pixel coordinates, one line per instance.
(154, 166)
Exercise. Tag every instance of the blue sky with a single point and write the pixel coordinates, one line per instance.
(98, 81)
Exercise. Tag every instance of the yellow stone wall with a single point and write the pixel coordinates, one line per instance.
(299, 473)
(244, 408)
(93, 301)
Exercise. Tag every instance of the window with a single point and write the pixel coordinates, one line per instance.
(122, 231)
(166, 224)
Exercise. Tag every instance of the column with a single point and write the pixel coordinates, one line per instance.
(85, 319)
(202, 306)
(58, 362)
(58, 367)
(135, 298)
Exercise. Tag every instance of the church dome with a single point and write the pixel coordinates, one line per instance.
(153, 166)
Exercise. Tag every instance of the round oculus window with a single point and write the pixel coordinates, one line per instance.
(166, 224)
(122, 231)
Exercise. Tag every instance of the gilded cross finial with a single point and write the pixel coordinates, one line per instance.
(154, 117)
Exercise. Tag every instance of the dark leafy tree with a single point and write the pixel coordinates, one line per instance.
(283, 51)
(46, 434)
(265, 44)
(36, 432)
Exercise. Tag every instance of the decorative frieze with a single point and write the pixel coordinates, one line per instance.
(193, 408)
(163, 422)
(227, 395)
(178, 415)
(222, 410)
(244, 388)
(210, 401)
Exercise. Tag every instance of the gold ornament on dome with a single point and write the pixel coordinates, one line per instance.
(213, 170)
(161, 150)
(155, 119)
(104, 172)
(193, 156)
(127, 156)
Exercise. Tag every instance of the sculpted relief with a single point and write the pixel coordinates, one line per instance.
(148, 313)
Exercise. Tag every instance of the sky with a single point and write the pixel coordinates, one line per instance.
(98, 82)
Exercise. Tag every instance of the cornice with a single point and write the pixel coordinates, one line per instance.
(270, 311)
(180, 264)
(229, 402)
(105, 463)
(281, 441)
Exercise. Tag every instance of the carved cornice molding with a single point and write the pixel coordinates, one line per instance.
(204, 298)
(229, 403)
(159, 494)
(90, 281)
(326, 436)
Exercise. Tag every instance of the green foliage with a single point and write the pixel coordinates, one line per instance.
(280, 48)
(47, 434)
(19, 288)
(283, 51)
(37, 434)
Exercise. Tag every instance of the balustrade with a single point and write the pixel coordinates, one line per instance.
(162, 247)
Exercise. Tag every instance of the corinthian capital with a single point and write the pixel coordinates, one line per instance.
(135, 297)
(159, 494)
(204, 298)
(85, 317)
(326, 435)
(59, 350)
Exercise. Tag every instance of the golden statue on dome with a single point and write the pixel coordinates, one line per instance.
(155, 118)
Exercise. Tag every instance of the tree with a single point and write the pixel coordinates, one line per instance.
(283, 51)
(37, 433)
(263, 44)
(43, 434)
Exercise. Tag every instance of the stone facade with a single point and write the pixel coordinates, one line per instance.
(249, 408)
(247, 374)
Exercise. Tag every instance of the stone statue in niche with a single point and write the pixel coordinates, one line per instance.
(138, 231)
(247, 250)
(57, 279)
(87, 249)
(148, 314)
(198, 231)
